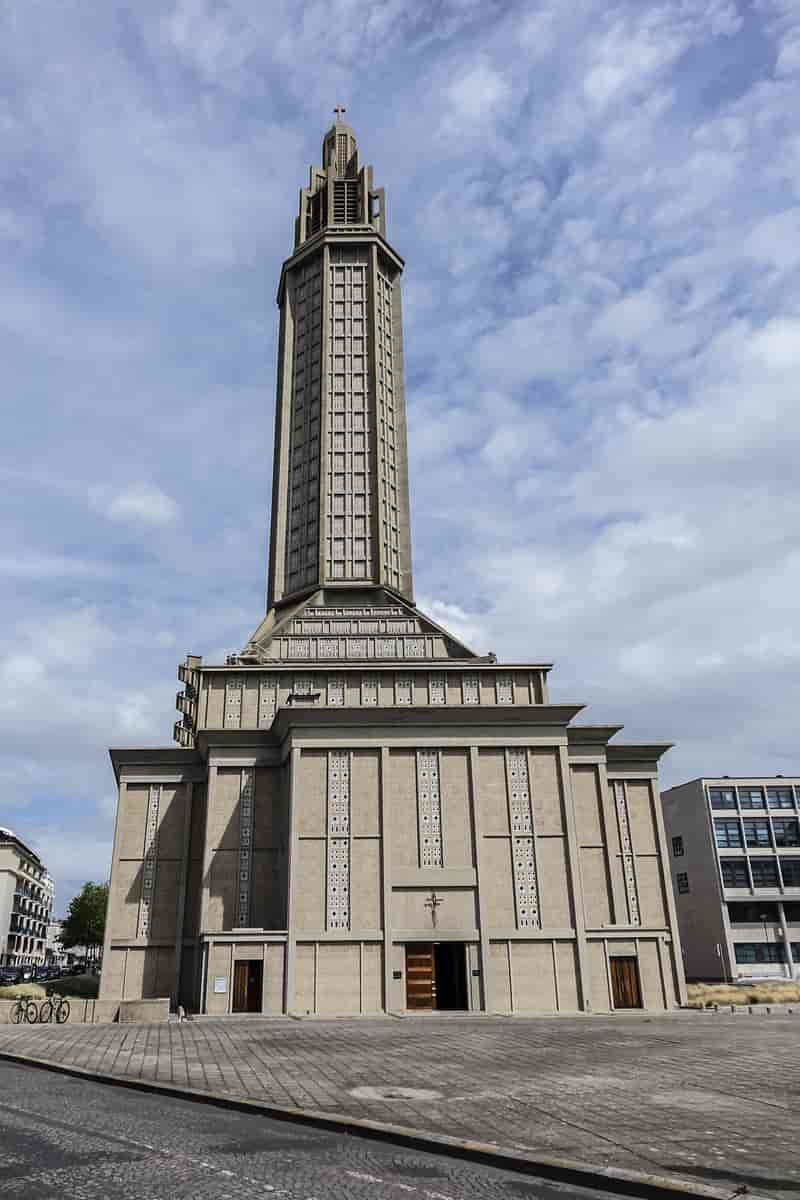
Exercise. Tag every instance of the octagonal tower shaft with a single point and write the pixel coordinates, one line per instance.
(340, 509)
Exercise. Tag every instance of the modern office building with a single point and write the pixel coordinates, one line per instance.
(26, 902)
(363, 814)
(735, 865)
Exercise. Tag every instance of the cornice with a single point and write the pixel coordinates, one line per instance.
(334, 236)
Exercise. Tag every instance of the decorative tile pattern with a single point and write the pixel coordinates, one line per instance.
(335, 691)
(399, 626)
(414, 647)
(526, 888)
(150, 860)
(302, 541)
(246, 815)
(328, 647)
(403, 690)
(350, 533)
(471, 689)
(505, 689)
(338, 889)
(628, 868)
(356, 647)
(385, 648)
(234, 685)
(303, 685)
(436, 689)
(369, 690)
(519, 791)
(429, 809)
(267, 701)
(299, 648)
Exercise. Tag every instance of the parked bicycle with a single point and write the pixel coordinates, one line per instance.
(55, 1008)
(25, 1010)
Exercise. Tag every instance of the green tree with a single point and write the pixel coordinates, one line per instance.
(85, 922)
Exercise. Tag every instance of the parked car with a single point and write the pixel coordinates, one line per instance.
(10, 975)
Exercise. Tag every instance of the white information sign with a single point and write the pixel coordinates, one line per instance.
(220, 983)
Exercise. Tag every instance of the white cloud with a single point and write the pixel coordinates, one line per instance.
(140, 502)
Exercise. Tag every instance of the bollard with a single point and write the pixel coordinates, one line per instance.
(750, 1009)
(769, 1010)
(733, 1008)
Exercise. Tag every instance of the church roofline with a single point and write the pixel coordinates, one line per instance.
(637, 752)
(170, 757)
(483, 662)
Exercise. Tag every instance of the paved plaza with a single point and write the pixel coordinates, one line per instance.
(711, 1098)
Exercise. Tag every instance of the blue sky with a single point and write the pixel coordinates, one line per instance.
(599, 207)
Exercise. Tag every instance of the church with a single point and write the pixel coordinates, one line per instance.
(361, 814)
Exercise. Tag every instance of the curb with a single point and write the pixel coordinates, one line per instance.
(618, 1180)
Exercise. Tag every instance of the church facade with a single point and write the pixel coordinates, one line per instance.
(362, 815)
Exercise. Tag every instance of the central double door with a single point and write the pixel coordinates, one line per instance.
(436, 976)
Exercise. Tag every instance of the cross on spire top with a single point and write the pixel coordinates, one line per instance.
(339, 110)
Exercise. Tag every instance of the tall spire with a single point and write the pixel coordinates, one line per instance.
(340, 512)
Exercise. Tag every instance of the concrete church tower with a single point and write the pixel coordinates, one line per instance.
(340, 492)
(362, 814)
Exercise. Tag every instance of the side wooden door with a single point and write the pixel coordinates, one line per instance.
(240, 973)
(420, 977)
(625, 983)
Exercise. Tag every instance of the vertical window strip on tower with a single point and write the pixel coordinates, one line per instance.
(628, 866)
(349, 533)
(403, 690)
(267, 701)
(505, 689)
(526, 887)
(302, 542)
(150, 860)
(335, 690)
(436, 689)
(471, 689)
(246, 815)
(387, 433)
(338, 888)
(234, 687)
(369, 690)
(429, 809)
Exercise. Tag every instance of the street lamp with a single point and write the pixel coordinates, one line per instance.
(763, 918)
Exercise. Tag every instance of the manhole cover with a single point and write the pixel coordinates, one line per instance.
(394, 1093)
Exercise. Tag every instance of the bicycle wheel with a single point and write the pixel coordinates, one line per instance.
(62, 1012)
(31, 1013)
(18, 1013)
(45, 1011)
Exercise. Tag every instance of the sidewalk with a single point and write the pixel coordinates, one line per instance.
(702, 1097)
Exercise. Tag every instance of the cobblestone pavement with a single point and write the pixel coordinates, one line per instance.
(77, 1140)
(713, 1098)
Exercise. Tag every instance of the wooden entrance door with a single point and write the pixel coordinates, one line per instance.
(247, 985)
(625, 983)
(420, 976)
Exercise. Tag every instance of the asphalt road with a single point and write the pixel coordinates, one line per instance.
(76, 1140)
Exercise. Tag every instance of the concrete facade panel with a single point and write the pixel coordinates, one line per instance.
(364, 792)
(651, 892)
(554, 897)
(309, 896)
(456, 809)
(365, 884)
(339, 982)
(311, 804)
(534, 977)
(546, 790)
(500, 976)
(402, 809)
(498, 900)
(598, 976)
(492, 792)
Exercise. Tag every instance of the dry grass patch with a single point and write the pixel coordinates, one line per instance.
(34, 990)
(701, 995)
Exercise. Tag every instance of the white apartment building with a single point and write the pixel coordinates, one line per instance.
(734, 849)
(26, 902)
